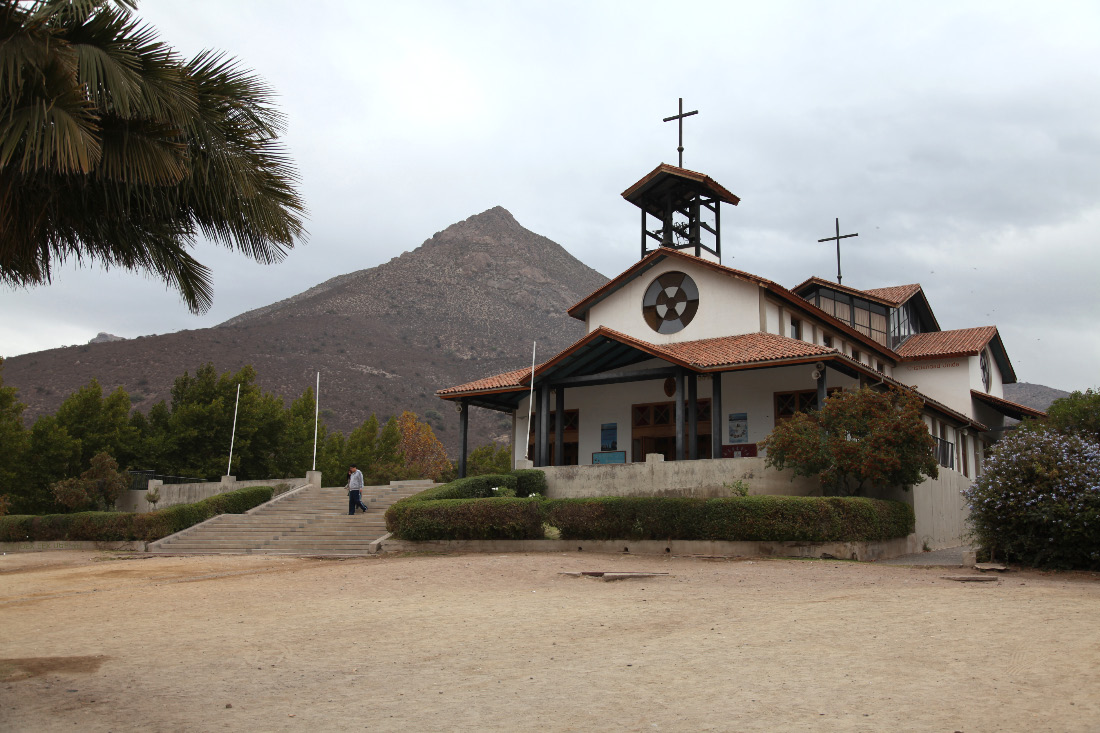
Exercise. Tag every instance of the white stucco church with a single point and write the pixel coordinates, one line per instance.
(686, 359)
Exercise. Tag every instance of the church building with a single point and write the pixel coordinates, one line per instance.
(686, 359)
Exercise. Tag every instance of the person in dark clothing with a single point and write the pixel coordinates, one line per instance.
(355, 488)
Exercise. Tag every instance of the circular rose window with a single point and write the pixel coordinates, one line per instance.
(670, 302)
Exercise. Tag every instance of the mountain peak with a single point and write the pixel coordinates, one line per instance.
(496, 224)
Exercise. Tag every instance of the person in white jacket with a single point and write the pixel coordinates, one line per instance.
(355, 488)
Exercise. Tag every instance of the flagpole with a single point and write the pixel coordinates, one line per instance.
(530, 404)
(316, 417)
(233, 436)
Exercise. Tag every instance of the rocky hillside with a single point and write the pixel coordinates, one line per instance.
(465, 304)
(1035, 396)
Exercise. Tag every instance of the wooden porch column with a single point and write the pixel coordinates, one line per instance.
(543, 448)
(464, 432)
(559, 426)
(717, 423)
(693, 415)
(679, 414)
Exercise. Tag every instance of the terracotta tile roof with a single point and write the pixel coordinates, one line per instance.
(507, 380)
(895, 294)
(746, 348)
(1007, 407)
(943, 344)
(892, 296)
(705, 354)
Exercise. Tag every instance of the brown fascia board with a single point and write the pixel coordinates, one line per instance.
(1008, 374)
(702, 178)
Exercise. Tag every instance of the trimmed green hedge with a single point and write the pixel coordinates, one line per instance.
(126, 526)
(466, 519)
(759, 518)
(530, 482)
(753, 518)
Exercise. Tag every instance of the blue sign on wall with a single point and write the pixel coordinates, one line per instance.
(611, 456)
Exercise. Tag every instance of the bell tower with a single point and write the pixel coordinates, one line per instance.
(687, 207)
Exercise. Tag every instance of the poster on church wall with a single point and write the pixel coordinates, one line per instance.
(609, 436)
(739, 427)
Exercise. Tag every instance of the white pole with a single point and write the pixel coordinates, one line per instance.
(316, 418)
(530, 404)
(234, 434)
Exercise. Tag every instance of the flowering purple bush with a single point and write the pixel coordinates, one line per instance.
(1037, 501)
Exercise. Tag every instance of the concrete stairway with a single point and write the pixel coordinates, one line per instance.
(307, 521)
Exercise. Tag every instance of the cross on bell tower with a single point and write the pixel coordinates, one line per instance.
(680, 123)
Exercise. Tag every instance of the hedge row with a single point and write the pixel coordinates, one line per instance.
(466, 519)
(758, 518)
(521, 483)
(126, 526)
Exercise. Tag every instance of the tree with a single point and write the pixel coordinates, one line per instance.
(425, 456)
(97, 488)
(51, 455)
(1037, 500)
(858, 440)
(1077, 414)
(489, 458)
(102, 425)
(13, 436)
(115, 150)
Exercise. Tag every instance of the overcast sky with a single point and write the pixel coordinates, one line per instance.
(960, 140)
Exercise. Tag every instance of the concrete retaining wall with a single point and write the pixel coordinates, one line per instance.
(937, 503)
(172, 494)
(135, 546)
(704, 478)
(863, 551)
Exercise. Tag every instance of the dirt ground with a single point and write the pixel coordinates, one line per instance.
(116, 642)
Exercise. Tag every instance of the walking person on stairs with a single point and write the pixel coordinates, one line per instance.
(355, 488)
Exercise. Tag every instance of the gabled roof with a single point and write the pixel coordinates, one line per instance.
(892, 296)
(896, 294)
(960, 342)
(639, 268)
(1006, 407)
(606, 349)
(645, 192)
(943, 344)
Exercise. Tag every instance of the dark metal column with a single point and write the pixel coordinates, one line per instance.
(717, 417)
(680, 415)
(821, 389)
(543, 448)
(693, 415)
(559, 426)
(464, 432)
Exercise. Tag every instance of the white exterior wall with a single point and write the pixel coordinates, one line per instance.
(727, 306)
(996, 381)
(753, 393)
(945, 380)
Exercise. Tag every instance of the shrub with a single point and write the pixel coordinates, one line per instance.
(472, 487)
(466, 519)
(760, 518)
(857, 441)
(124, 526)
(1037, 501)
(530, 481)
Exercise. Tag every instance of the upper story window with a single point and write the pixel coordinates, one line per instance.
(856, 355)
(868, 318)
(987, 375)
(796, 329)
(827, 341)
